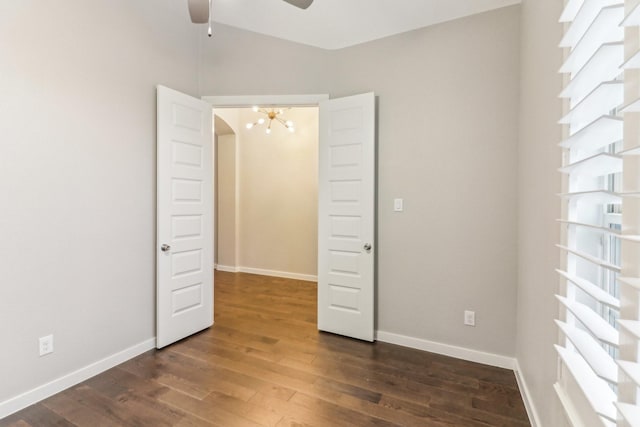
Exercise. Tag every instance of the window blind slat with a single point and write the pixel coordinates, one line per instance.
(634, 282)
(583, 19)
(632, 62)
(603, 29)
(592, 259)
(612, 231)
(630, 237)
(632, 194)
(594, 323)
(594, 291)
(595, 356)
(595, 196)
(632, 107)
(570, 10)
(604, 65)
(599, 102)
(633, 17)
(598, 393)
(630, 151)
(631, 369)
(631, 413)
(598, 165)
(631, 326)
(601, 132)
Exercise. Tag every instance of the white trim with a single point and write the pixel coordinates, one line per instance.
(228, 268)
(263, 272)
(276, 273)
(309, 100)
(236, 200)
(532, 413)
(448, 350)
(39, 393)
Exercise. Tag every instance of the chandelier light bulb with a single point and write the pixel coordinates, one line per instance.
(270, 115)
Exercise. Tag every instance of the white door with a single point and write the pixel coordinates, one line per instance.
(184, 276)
(346, 221)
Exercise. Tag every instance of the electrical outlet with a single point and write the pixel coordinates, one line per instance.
(470, 318)
(46, 345)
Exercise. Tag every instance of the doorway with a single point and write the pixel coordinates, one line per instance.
(346, 185)
(266, 204)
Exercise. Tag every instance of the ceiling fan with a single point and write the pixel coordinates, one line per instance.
(200, 10)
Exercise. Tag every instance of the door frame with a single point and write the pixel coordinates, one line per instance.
(243, 101)
(301, 100)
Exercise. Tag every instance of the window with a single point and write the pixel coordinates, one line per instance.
(598, 374)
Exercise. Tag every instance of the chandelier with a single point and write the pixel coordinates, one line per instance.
(271, 115)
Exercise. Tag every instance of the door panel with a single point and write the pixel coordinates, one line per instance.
(346, 223)
(184, 216)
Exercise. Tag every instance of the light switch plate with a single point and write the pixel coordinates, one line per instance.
(398, 205)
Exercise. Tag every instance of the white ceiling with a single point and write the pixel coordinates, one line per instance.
(334, 24)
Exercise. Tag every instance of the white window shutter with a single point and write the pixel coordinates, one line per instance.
(629, 280)
(596, 366)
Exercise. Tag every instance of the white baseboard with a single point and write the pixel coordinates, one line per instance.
(272, 273)
(470, 355)
(228, 268)
(448, 350)
(275, 273)
(39, 393)
(532, 413)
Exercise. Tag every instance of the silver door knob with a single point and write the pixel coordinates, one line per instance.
(165, 247)
(367, 247)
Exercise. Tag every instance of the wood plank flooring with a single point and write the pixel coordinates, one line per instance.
(264, 363)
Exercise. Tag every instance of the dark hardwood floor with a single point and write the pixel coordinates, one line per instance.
(264, 363)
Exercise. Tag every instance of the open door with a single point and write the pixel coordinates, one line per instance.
(346, 221)
(184, 275)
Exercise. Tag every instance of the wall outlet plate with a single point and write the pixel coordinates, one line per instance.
(46, 345)
(470, 318)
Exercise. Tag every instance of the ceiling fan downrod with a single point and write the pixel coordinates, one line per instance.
(209, 31)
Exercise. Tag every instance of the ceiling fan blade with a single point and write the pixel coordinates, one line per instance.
(199, 11)
(302, 4)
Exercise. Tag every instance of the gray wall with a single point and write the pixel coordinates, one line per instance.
(238, 62)
(538, 205)
(447, 123)
(448, 114)
(77, 176)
